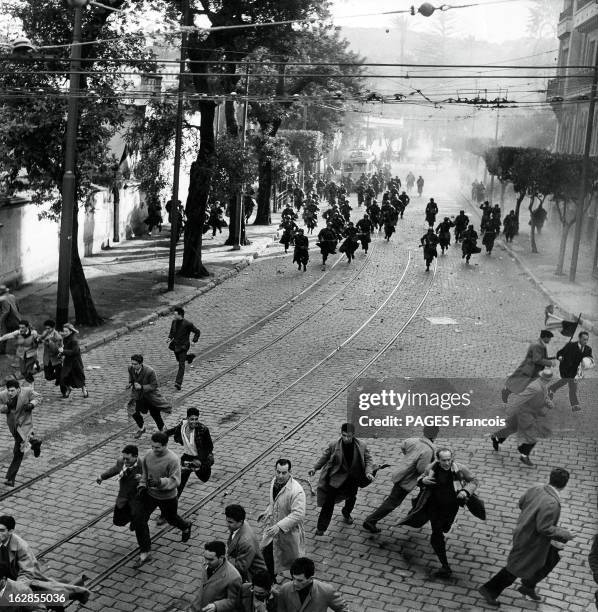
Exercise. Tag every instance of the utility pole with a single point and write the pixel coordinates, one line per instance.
(240, 208)
(69, 183)
(495, 143)
(178, 137)
(584, 174)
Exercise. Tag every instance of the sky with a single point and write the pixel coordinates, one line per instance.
(492, 22)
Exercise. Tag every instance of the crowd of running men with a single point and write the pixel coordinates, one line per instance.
(240, 570)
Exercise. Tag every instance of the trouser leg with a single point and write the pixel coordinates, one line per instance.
(268, 554)
(526, 448)
(138, 418)
(350, 503)
(557, 385)
(169, 509)
(17, 458)
(181, 357)
(394, 500)
(509, 429)
(185, 473)
(326, 511)
(573, 392)
(439, 545)
(499, 582)
(155, 414)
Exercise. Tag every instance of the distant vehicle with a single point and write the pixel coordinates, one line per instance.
(358, 162)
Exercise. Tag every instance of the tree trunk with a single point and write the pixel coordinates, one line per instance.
(200, 181)
(236, 207)
(232, 126)
(532, 234)
(264, 192)
(520, 198)
(565, 227)
(503, 186)
(85, 310)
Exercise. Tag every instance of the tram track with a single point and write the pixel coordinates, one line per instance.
(223, 345)
(199, 387)
(272, 446)
(290, 433)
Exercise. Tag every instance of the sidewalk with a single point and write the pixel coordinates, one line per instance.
(570, 298)
(128, 283)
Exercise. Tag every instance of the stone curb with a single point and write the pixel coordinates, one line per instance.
(166, 310)
(590, 326)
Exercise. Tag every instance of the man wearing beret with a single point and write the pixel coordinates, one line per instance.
(346, 465)
(525, 416)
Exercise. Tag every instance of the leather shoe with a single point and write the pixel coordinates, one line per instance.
(142, 561)
(160, 520)
(575, 408)
(526, 460)
(443, 572)
(190, 357)
(186, 533)
(319, 532)
(348, 519)
(140, 432)
(485, 593)
(36, 447)
(371, 527)
(531, 593)
(9, 483)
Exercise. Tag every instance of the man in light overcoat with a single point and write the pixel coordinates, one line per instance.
(283, 538)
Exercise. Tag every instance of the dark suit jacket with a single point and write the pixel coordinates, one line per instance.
(149, 388)
(572, 357)
(335, 470)
(321, 597)
(179, 334)
(243, 551)
(127, 487)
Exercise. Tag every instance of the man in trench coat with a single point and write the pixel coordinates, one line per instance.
(526, 417)
(533, 555)
(536, 359)
(347, 465)
(283, 539)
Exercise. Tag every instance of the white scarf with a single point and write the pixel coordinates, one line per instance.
(125, 468)
(188, 440)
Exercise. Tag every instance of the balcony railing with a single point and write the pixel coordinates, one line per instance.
(579, 83)
(568, 12)
(582, 3)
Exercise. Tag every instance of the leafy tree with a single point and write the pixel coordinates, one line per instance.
(32, 126)
(212, 78)
(298, 86)
(305, 145)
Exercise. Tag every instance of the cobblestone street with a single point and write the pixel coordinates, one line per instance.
(288, 400)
